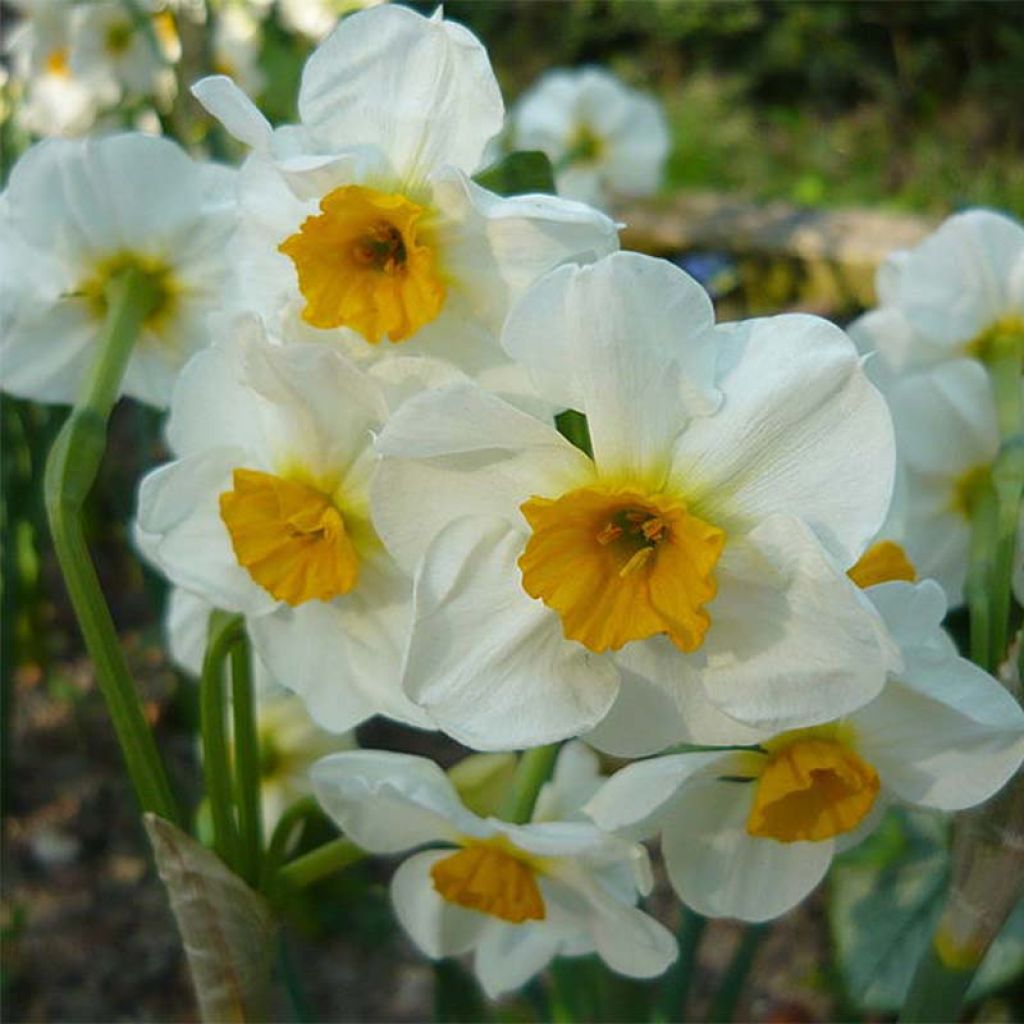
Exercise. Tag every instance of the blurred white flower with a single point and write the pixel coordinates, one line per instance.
(682, 581)
(265, 511)
(749, 834)
(603, 138)
(315, 18)
(237, 37)
(76, 213)
(952, 296)
(516, 896)
(362, 226)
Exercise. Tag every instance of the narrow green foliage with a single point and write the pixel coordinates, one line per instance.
(519, 173)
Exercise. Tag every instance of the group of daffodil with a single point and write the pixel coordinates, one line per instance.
(364, 353)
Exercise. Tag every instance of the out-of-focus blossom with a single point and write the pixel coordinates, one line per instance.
(750, 833)
(603, 138)
(516, 896)
(682, 581)
(236, 47)
(315, 18)
(78, 212)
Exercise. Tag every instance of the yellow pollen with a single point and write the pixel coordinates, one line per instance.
(883, 562)
(57, 63)
(290, 537)
(493, 877)
(620, 565)
(367, 261)
(1002, 337)
(812, 789)
(967, 488)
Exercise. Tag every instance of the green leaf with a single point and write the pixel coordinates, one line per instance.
(226, 928)
(518, 173)
(885, 897)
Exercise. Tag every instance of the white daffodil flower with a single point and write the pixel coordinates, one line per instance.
(954, 295)
(55, 101)
(749, 833)
(515, 895)
(76, 213)
(111, 42)
(265, 512)
(947, 438)
(688, 573)
(290, 742)
(362, 226)
(603, 138)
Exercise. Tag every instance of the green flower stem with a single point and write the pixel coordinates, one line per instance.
(988, 882)
(71, 470)
(297, 815)
(224, 633)
(978, 588)
(1007, 485)
(247, 760)
(319, 863)
(723, 1006)
(534, 769)
(676, 990)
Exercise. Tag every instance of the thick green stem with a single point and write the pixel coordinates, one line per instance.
(675, 992)
(534, 769)
(281, 840)
(723, 1006)
(978, 588)
(1007, 485)
(988, 881)
(319, 863)
(71, 470)
(224, 633)
(247, 760)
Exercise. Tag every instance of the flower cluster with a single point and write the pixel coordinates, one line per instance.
(460, 462)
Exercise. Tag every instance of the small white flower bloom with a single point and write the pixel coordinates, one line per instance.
(947, 438)
(951, 296)
(236, 47)
(749, 834)
(362, 226)
(515, 895)
(688, 573)
(77, 212)
(315, 18)
(55, 101)
(603, 138)
(110, 43)
(265, 512)
(289, 740)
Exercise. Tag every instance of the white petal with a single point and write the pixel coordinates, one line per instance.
(475, 455)
(636, 798)
(438, 927)
(489, 663)
(188, 620)
(420, 89)
(945, 734)
(222, 99)
(913, 615)
(343, 657)
(509, 955)
(946, 418)
(661, 702)
(576, 778)
(963, 278)
(792, 640)
(628, 341)
(721, 871)
(387, 802)
(801, 431)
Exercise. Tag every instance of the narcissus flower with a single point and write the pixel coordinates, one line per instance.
(958, 293)
(290, 742)
(76, 213)
(362, 226)
(265, 512)
(515, 895)
(603, 138)
(688, 572)
(749, 833)
(947, 438)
